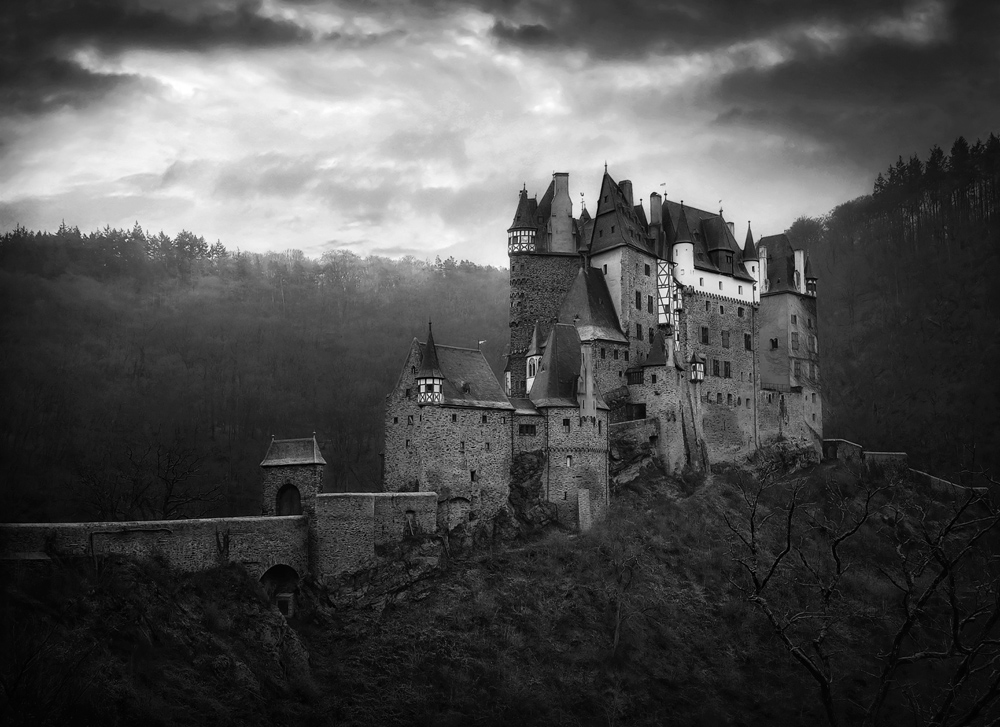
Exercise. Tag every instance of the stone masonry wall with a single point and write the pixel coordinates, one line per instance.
(634, 279)
(588, 468)
(528, 442)
(397, 512)
(188, 545)
(345, 526)
(610, 362)
(727, 400)
(538, 285)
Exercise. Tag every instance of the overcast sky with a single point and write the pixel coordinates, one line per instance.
(396, 128)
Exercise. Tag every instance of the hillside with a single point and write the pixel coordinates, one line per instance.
(645, 620)
(909, 310)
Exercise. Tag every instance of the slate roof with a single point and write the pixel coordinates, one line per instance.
(468, 378)
(536, 347)
(657, 351)
(616, 222)
(749, 251)
(524, 406)
(588, 306)
(780, 264)
(293, 451)
(429, 366)
(711, 238)
(524, 216)
(559, 371)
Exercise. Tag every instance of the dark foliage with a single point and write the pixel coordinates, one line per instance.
(143, 376)
(910, 312)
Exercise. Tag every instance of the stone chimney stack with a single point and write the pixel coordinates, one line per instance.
(655, 208)
(732, 228)
(561, 221)
(626, 187)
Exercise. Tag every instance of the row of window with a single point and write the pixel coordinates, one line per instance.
(649, 300)
(740, 401)
(724, 339)
(614, 352)
(701, 282)
(722, 309)
(810, 341)
(484, 418)
(813, 369)
(795, 320)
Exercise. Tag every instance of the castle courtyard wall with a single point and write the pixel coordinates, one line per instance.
(586, 444)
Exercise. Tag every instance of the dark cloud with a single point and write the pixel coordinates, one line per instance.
(38, 41)
(876, 97)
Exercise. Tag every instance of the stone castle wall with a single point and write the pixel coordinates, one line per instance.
(538, 284)
(577, 459)
(188, 545)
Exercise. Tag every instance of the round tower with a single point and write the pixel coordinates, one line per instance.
(683, 251)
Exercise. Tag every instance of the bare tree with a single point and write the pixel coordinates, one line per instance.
(936, 636)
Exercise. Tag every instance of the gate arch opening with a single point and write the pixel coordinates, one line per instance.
(280, 583)
(288, 500)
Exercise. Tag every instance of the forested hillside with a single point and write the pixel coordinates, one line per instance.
(142, 375)
(910, 310)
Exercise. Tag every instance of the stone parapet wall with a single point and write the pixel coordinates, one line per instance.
(188, 545)
(885, 459)
(345, 529)
(843, 450)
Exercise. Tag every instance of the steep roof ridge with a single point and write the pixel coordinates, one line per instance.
(588, 307)
(536, 347)
(628, 228)
(749, 249)
(524, 215)
(429, 366)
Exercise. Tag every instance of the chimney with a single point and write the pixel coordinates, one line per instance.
(655, 208)
(626, 187)
(732, 228)
(561, 219)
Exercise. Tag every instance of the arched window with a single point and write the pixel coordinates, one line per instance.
(569, 460)
(288, 501)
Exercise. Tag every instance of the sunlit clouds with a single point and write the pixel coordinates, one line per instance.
(408, 129)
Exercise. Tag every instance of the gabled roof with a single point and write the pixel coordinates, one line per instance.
(589, 308)
(657, 351)
(468, 378)
(780, 263)
(559, 372)
(616, 222)
(293, 451)
(429, 366)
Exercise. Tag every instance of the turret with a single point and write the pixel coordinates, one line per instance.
(533, 357)
(810, 278)
(683, 251)
(430, 380)
(521, 235)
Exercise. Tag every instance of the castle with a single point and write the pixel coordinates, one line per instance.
(663, 323)
(662, 328)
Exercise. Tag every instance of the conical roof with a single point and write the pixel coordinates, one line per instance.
(588, 307)
(536, 347)
(429, 366)
(809, 268)
(683, 229)
(749, 249)
(657, 351)
(556, 381)
(524, 216)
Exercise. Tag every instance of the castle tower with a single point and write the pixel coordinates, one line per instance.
(292, 477)
(752, 263)
(430, 380)
(542, 245)
(534, 355)
(683, 251)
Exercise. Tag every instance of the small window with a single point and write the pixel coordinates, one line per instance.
(809, 322)
(565, 425)
(526, 430)
(485, 420)
(454, 418)
(727, 369)
(740, 290)
(701, 282)
(725, 339)
(748, 403)
(729, 399)
(407, 443)
(814, 417)
(651, 335)
(626, 355)
(653, 378)
(605, 269)
(795, 341)
(638, 300)
(487, 446)
(715, 367)
(409, 419)
(649, 302)
(413, 369)
(739, 401)
(569, 460)
(598, 427)
(461, 446)
(647, 271)
(794, 319)
(473, 477)
(638, 331)
(615, 352)
(603, 353)
(720, 285)
(747, 342)
(739, 311)
(635, 377)
(814, 398)
(774, 344)
(722, 310)
(409, 393)
(708, 306)
(718, 398)
(704, 334)
(798, 368)
(395, 420)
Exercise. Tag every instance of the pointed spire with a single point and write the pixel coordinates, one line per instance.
(657, 351)
(749, 249)
(683, 230)
(536, 347)
(429, 367)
